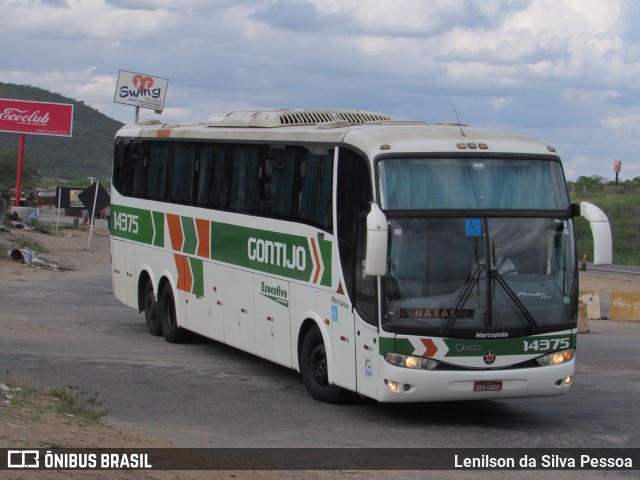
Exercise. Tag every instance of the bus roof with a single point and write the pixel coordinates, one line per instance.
(371, 132)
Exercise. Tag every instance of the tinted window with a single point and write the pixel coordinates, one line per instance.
(182, 173)
(288, 182)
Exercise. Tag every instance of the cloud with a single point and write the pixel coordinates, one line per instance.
(563, 70)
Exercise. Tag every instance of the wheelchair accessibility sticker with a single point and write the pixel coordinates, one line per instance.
(473, 227)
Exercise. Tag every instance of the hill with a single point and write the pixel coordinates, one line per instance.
(88, 153)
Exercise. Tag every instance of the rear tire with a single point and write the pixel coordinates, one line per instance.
(151, 317)
(314, 368)
(170, 330)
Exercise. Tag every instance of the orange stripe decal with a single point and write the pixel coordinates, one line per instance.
(165, 132)
(175, 231)
(316, 260)
(185, 278)
(204, 230)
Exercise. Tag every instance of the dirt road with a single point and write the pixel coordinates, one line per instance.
(21, 425)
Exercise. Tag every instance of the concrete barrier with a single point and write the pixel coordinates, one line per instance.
(625, 306)
(583, 321)
(591, 299)
(22, 212)
(588, 309)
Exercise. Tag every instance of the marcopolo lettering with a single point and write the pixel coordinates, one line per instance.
(279, 254)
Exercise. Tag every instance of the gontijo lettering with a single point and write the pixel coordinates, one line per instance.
(279, 254)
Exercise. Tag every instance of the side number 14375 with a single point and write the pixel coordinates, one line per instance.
(126, 222)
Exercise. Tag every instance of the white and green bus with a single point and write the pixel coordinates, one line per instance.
(403, 261)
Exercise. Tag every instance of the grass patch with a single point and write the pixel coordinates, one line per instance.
(69, 401)
(621, 204)
(77, 402)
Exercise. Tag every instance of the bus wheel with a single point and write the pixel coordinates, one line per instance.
(170, 330)
(151, 316)
(313, 367)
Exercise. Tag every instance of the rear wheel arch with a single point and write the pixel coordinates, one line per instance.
(168, 313)
(143, 280)
(315, 364)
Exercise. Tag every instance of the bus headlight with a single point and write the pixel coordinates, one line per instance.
(557, 358)
(410, 361)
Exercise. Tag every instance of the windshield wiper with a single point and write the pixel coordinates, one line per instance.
(514, 298)
(510, 293)
(463, 296)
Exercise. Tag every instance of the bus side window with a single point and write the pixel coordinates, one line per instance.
(122, 168)
(364, 285)
(211, 176)
(138, 176)
(278, 186)
(315, 194)
(136, 163)
(182, 173)
(157, 159)
(244, 180)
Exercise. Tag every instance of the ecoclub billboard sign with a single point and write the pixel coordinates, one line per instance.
(39, 118)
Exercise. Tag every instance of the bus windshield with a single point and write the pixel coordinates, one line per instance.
(472, 183)
(454, 274)
(461, 257)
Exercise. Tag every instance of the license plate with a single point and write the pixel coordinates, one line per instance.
(487, 386)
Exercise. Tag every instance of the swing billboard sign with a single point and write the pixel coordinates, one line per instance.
(141, 90)
(39, 118)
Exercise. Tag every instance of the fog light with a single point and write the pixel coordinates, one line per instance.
(568, 380)
(392, 385)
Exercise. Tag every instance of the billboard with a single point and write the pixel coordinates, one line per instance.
(40, 118)
(141, 90)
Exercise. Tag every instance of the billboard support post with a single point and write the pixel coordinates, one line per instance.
(92, 218)
(19, 170)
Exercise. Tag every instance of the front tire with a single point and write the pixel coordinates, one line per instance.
(151, 317)
(314, 368)
(170, 330)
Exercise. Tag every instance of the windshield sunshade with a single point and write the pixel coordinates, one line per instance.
(468, 183)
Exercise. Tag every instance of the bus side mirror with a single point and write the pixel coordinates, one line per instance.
(375, 262)
(601, 231)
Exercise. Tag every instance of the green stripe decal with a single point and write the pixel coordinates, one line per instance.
(533, 345)
(158, 229)
(387, 344)
(198, 276)
(295, 257)
(190, 237)
(276, 253)
(137, 224)
(509, 346)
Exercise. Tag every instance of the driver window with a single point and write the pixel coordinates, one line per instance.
(365, 285)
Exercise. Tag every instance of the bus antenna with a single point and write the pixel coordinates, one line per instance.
(459, 123)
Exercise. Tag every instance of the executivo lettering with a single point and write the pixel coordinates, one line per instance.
(277, 294)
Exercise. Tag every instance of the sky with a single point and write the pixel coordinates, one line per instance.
(564, 71)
